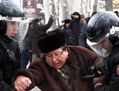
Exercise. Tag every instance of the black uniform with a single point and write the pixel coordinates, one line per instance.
(11, 27)
(110, 70)
(9, 55)
(103, 38)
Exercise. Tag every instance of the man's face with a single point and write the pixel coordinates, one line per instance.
(106, 45)
(57, 58)
(42, 22)
(12, 28)
(76, 16)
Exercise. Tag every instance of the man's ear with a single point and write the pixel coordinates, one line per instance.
(3, 26)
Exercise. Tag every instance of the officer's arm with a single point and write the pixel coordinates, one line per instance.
(3, 85)
(113, 84)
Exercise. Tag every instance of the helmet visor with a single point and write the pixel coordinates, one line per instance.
(17, 29)
(102, 47)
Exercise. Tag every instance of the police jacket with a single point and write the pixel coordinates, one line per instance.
(111, 70)
(49, 79)
(9, 55)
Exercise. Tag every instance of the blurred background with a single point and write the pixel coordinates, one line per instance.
(62, 9)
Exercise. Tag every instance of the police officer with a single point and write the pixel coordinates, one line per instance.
(103, 33)
(13, 27)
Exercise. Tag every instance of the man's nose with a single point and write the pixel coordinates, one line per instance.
(16, 28)
(54, 58)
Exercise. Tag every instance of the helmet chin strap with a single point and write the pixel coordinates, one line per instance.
(114, 31)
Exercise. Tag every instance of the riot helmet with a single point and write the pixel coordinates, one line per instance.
(12, 15)
(102, 28)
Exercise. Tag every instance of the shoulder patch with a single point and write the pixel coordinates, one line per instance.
(117, 69)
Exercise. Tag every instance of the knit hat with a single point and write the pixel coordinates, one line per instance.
(67, 21)
(51, 40)
(36, 20)
(75, 13)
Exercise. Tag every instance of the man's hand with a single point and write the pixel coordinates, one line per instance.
(97, 84)
(97, 81)
(22, 83)
(51, 15)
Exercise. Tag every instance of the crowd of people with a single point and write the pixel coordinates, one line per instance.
(29, 49)
(80, 55)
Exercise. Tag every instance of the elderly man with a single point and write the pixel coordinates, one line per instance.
(60, 68)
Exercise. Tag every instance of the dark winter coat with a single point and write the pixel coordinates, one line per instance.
(75, 26)
(7, 66)
(111, 72)
(48, 79)
(83, 37)
(67, 33)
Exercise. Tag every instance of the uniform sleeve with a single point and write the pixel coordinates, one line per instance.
(6, 87)
(3, 85)
(103, 88)
(113, 83)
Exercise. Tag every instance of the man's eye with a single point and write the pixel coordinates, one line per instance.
(48, 55)
(57, 54)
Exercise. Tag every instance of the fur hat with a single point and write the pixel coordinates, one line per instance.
(51, 40)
